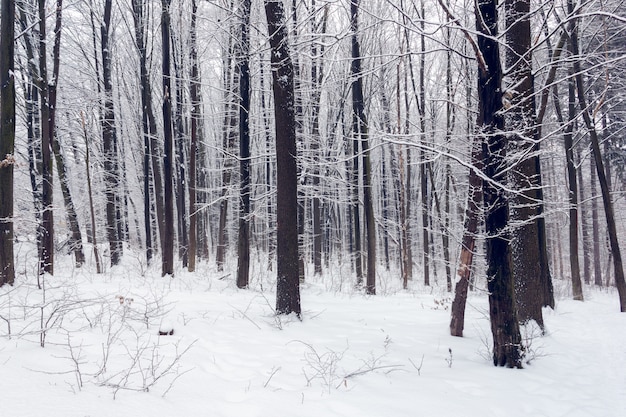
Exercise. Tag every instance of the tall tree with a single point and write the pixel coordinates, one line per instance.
(46, 257)
(167, 267)
(618, 267)
(109, 141)
(148, 127)
(243, 66)
(507, 348)
(193, 148)
(75, 240)
(525, 177)
(360, 132)
(7, 140)
(288, 282)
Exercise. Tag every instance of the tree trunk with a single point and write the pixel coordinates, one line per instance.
(181, 206)
(7, 140)
(468, 244)
(168, 174)
(76, 240)
(507, 348)
(595, 224)
(620, 281)
(193, 148)
(230, 121)
(243, 65)
(525, 175)
(360, 132)
(568, 142)
(92, 210)
(109, 141)
(46, 258)
(287, 284)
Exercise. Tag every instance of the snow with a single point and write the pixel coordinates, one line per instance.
(229, 355)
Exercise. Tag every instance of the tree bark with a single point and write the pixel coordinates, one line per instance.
(193, 148)
(7, 140)
(360, 132)
(568, 142)
(507, 348)
(109, 141)
(168, 174)
(243, 65)
(46, 259)
(468, 244)
(525, 176)
(288, 283)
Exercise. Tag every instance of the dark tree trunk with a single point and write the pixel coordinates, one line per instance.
(109, 141)
(316, 79)
(46, 258)
(288, 283)
(181, 206)
(243, 65)
(193, 148)
(507, 348)
(568, 142)
(595, 224)
(168, 174)
(7, 140)
(360, 132)
(423, 163)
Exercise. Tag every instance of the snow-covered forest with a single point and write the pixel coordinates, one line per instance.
(312, 207)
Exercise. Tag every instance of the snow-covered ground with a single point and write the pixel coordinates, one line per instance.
(229, 355)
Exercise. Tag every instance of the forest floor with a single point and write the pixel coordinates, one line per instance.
(230, 355)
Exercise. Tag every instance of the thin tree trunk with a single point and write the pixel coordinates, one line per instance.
(92, 211)
(423, 163)
(230, 122)
(181, 207)
(168, 174)
(109, 140)
(193, 148)
(568, 142)
(360, 131)
(47, 131)
(76, 240)
(243, 66)
(584, 216)
(595, 224)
